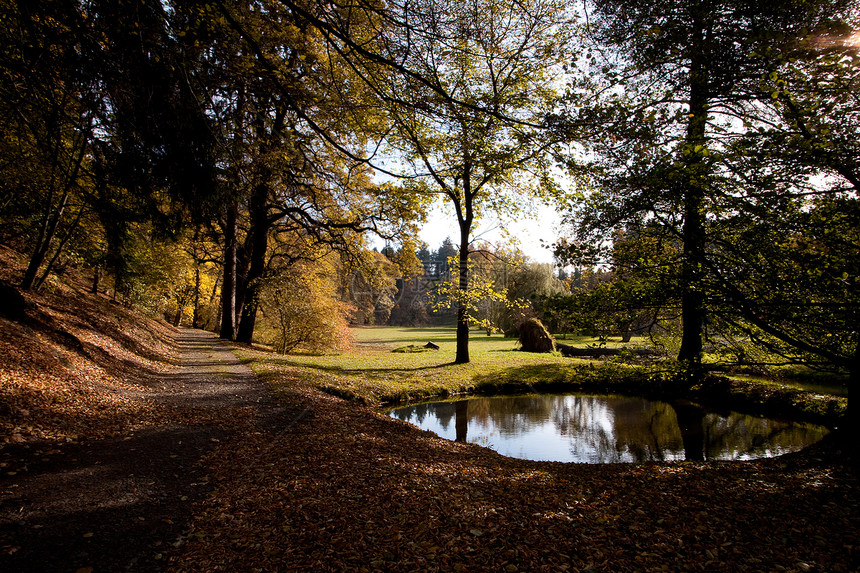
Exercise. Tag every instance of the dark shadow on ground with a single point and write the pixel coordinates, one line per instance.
(122, 504)
(133, 500)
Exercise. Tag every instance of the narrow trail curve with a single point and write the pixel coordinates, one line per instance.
(119, 504)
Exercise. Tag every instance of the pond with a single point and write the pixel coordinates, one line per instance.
(601, 429)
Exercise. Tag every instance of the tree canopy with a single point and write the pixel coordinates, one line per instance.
(686, 87)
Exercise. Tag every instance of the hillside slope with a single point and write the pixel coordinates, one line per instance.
(73, 363)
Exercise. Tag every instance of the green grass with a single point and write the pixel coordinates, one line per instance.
(373, 373)
(830, 388)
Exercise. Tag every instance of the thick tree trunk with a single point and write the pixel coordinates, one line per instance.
(228, 288)
(692, 298)
(259, 234)
(693, 232)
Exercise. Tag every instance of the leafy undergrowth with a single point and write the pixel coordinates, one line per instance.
(76, 365)
(341, 487)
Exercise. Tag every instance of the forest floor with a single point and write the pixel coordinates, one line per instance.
(122, 503)
(178, 458)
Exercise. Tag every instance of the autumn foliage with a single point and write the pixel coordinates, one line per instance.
(302, 310)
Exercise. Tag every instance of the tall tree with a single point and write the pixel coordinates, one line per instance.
(787, 250)
(47, 103)
(682, 78)
(290, 125)
(466, 87)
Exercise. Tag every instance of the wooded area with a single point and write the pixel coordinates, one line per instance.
(232, 162)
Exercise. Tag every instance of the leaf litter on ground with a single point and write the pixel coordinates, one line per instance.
(345, 488)
(334, 485)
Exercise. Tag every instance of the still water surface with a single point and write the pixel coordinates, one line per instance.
(601, 429)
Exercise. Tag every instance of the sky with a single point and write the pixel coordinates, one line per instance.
(527, 230)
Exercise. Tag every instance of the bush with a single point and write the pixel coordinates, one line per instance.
(302, 311)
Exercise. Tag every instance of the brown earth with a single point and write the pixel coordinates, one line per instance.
(120, 504)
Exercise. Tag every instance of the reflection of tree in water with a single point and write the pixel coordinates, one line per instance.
(461, 409)
(511, 414)
(599, 429)
(739, 436)
(608, 429)
(415, 414)
(617, 429)
(444, 412)
(589, 424)
(690, 417)
(647, 430)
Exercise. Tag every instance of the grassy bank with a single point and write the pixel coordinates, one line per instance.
(373, 373)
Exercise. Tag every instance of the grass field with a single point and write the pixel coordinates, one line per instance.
(372, 372)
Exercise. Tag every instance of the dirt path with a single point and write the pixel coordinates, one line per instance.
(121, 504)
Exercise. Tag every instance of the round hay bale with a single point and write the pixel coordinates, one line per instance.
(534, 337)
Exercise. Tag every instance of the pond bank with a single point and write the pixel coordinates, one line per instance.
(344, 487)
(717, 392)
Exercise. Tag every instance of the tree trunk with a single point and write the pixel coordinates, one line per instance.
(241, 272)
(693, 232)
(692, 298)
(852, 422)
(228, 288)
(50, 266)
(50, 223)
(462, 356)
(626, 333)
(230, 308)
(259, 233)
(465, 217)
(195, 316)
(43, 243)
(97, 277)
